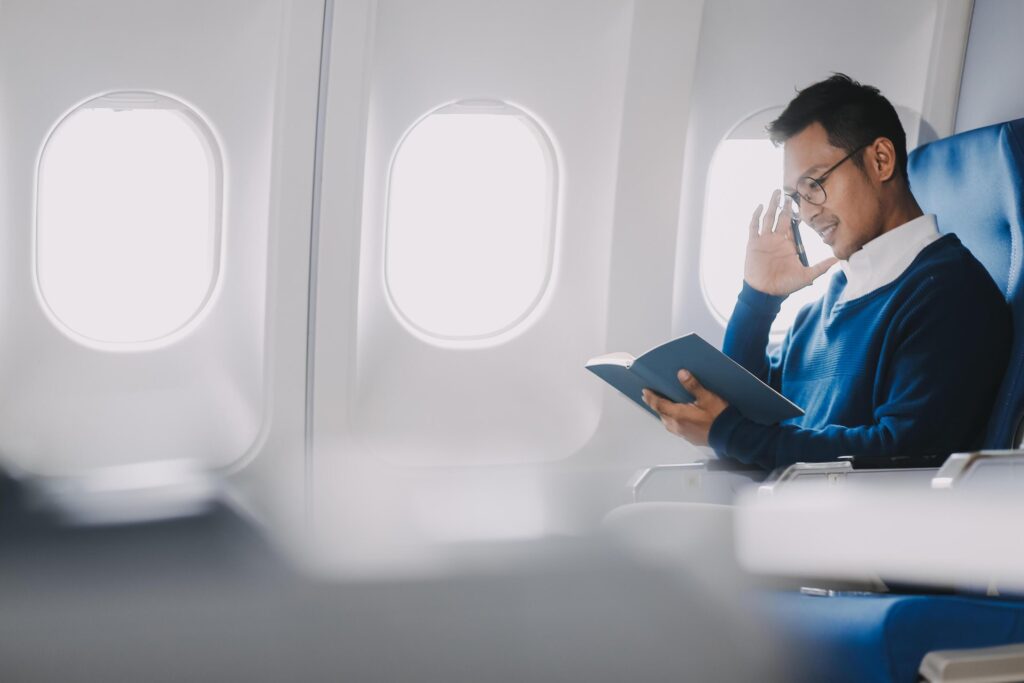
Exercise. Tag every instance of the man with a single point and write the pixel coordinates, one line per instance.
(904, 353)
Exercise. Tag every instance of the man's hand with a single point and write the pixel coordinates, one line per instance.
(692, 421)
(772, 265)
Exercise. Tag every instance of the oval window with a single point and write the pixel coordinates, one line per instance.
(127, 225)
(470, 221)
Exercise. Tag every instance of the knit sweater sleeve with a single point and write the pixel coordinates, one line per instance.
(746, 336)
(935, 396)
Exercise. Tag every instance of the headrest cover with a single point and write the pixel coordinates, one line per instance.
(972, 183)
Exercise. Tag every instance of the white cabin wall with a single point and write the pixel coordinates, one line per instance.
(564, 63)
(410, 435)
(200, 393)
(228, 390)
(662, 63)
(659, 97)
(272, 481)
(402, 424)
(993, 89)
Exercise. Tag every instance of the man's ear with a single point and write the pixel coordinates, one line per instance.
(881, 157)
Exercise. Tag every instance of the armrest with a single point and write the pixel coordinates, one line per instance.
(955, 471)
(866, 468)
(730, 465)
(893, 462)
(692, 476)
(641, 477)
(897, 468)
(785, 475)
(1003, 663)
(907, 532)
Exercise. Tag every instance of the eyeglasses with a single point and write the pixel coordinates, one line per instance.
(812, 190)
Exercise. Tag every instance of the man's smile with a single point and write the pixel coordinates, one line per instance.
(826, 232)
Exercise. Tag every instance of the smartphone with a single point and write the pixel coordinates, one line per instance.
(794, 225)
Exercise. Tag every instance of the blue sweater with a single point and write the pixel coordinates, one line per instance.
(910, 368)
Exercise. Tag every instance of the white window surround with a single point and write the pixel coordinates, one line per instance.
(127, 253)
(494, 294)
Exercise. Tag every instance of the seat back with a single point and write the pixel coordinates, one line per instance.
(972, 182)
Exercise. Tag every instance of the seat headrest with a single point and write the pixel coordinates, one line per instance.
(972, 182)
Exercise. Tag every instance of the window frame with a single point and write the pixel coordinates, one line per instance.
(552, 200)
(210, 142)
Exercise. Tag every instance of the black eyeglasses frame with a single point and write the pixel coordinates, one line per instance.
(820, 180)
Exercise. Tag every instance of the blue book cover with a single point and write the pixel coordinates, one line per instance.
(657, 370)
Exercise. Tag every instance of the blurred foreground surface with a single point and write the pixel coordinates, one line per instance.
(207, 598)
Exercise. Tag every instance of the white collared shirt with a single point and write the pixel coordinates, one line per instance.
(884, 258)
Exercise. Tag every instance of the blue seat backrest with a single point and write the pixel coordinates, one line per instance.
(973, 183)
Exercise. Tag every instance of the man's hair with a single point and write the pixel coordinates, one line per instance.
(852, 114)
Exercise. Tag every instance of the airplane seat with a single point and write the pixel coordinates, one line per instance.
(960, 533)
(974, 183)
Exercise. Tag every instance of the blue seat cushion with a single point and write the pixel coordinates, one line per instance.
(974, 183)
(884, 637)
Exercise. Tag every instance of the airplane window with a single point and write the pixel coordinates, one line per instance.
(127, 218)
(745, 169)
(470, 224)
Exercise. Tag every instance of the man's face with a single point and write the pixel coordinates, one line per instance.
(851, 215)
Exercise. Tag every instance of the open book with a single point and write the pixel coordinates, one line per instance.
(656, 370)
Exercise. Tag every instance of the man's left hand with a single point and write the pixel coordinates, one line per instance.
(692, 421)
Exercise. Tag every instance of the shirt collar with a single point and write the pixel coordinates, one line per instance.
(889, 248)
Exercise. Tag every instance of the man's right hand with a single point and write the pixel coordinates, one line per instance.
(772, 265)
